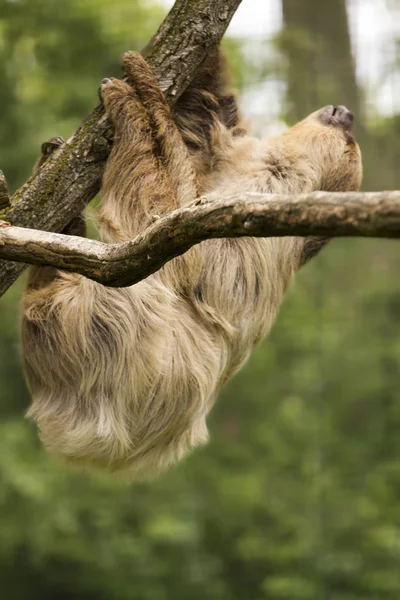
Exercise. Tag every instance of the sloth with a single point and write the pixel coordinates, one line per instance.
(122, 379)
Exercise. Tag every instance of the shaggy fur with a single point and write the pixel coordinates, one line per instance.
(124, 378)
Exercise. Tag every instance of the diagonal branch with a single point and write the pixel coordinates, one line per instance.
(330, 214)
(4, 196)
(71, 178)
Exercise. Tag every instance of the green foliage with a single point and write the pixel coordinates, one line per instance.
(296, 495)
(53, 56)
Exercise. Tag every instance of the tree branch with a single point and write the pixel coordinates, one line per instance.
(330, 214)
(72, 176)
(4, 196)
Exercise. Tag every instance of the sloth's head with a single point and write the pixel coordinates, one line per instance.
(326, 136)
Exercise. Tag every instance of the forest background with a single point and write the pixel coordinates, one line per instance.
(296, 497)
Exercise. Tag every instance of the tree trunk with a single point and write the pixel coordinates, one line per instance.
(321, 70)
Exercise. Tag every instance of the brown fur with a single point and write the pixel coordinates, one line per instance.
(124, 378)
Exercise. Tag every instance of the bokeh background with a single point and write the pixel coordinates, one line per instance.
(297, 495)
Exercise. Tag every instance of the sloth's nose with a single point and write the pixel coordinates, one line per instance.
(343, 117)
(338, 116)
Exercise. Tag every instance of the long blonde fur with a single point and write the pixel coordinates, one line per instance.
(124, 378)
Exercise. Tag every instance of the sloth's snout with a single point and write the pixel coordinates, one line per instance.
(339, 116)
(343, 117)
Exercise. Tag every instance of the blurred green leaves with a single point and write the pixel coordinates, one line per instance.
(52, 57)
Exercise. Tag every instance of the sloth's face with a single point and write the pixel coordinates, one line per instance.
(327, 137)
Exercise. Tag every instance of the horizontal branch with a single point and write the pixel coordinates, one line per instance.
(72, 176)
(330, 214)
